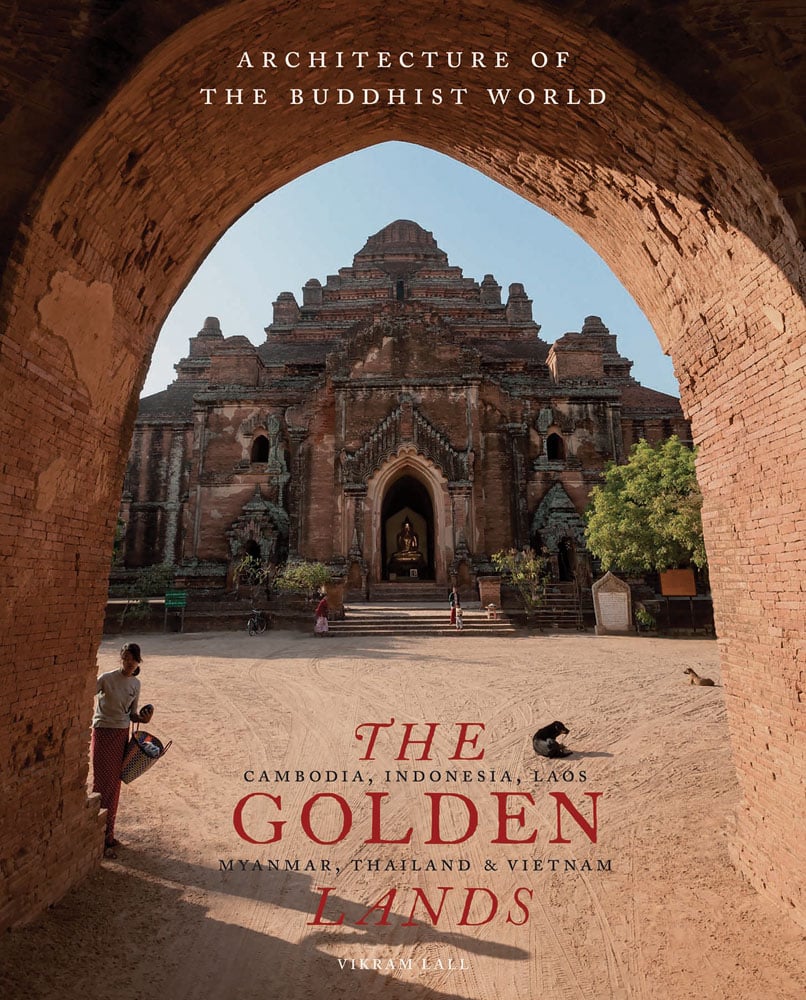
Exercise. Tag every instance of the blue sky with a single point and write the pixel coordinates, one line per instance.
(313, 226)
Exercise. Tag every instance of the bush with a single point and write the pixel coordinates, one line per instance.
(150, 581)
(299, 577)
(528, 573)
(254, 573)
(643, 618)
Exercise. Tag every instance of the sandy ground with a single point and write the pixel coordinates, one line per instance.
(671, 919)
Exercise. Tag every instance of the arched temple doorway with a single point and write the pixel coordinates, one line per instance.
(566, 560)
(407, 531)
(252, 549)
(408, 487)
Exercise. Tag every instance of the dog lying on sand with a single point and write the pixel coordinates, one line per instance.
(694, 678)
(545, 740)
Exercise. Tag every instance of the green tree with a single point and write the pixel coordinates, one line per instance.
(528, 573)
(646, 514)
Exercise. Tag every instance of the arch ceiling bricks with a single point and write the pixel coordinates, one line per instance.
(119, 180)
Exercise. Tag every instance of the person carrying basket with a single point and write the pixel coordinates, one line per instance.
(117, 694)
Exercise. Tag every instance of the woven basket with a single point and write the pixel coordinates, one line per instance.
(136, 760)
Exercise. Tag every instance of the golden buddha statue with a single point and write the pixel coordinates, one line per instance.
(407, 560)
(407, 540)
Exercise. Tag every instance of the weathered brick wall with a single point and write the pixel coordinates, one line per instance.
(236, 366)
(320, 537)
(746, 398)
(156, 479)
(680, 212)
(359, 409)
(64, 431)
(572, 364)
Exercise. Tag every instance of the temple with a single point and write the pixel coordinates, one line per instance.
(402, 423)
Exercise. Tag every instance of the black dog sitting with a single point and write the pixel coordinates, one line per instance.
(545, 741)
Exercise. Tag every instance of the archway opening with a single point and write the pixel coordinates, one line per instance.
(260, 449)
(407, 531)
(555, 448)
(566, 560)
(252, 550)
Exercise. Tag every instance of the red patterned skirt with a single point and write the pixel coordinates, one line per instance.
(106, 751)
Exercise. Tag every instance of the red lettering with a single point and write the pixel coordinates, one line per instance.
(471, 741)
(464, 920)
(384, 907)
(589, 829)
(504, 817)
(276, 825)
(436, 806)
(523, 908)
(407, 741)
(373, 727)
(321, 908)
(346, 816)
(466, 738)
(420, 895)
(375, 833)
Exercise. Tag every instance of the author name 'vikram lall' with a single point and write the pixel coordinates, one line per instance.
(403, 964)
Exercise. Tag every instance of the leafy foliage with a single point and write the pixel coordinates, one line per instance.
(302, 577)
(527, 571)
(646, 514)
(150, 581)
(120, 538)
(254, 573)
(645, 619)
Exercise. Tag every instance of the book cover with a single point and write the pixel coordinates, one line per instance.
(368, 816)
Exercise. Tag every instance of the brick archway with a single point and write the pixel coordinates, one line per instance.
(678, 209)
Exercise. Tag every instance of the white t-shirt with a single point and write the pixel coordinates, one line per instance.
(117, 700)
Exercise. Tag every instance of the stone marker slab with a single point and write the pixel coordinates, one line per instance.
(612, 603)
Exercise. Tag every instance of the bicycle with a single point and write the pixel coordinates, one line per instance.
(257, 623)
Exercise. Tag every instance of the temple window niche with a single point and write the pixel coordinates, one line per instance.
(260, 449)
(555, 448)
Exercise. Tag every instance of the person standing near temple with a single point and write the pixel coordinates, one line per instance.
(117, 694)
(320, 618)
(454, 602)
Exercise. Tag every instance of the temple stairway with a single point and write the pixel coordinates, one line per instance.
(408, 592)
(562, 608)
(403, 618)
